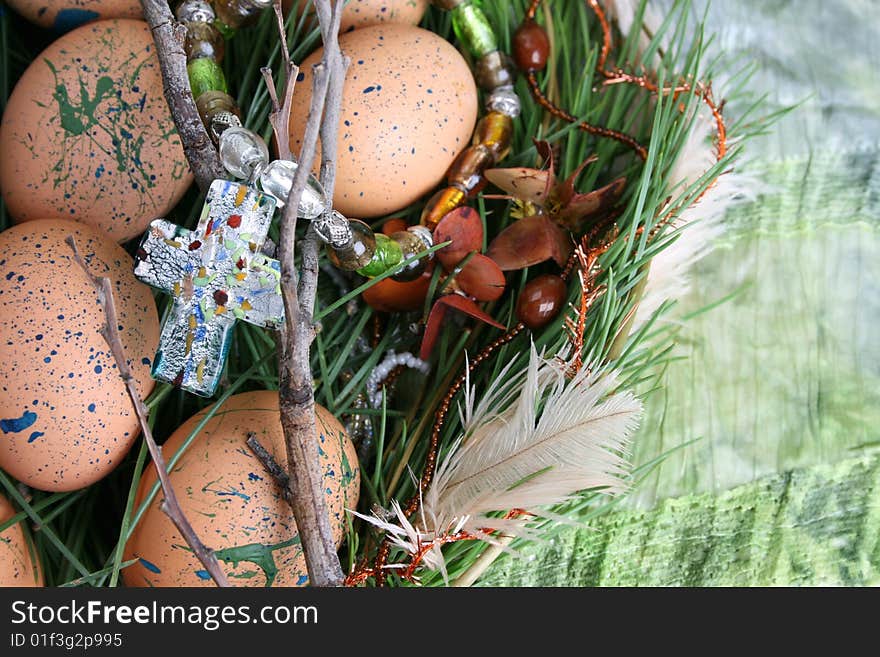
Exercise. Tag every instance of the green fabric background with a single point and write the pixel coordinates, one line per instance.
(780, 389)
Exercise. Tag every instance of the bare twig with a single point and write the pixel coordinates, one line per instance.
(279, 117)
(270, 465)
(169, 36)
(170, 505)
(305, 485)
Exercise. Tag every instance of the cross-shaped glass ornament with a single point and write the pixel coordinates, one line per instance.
(216, 274)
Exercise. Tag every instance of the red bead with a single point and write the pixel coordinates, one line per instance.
(541, 300)
(531, 47)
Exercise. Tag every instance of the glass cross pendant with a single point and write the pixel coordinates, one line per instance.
(216, 274)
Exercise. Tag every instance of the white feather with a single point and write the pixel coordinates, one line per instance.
(533, 441)
(702, 223)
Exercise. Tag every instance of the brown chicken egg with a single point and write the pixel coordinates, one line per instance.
(364, 13)
(409, 106)
(18, 561)
(87, 134)
(65, 417)
(234, 506)
(63, 15)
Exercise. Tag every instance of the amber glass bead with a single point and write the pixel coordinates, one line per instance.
(466, 171)
(447, 5)
(411, 245)
(494, 131)
(216, 104)
(358, 252)
(203, 40)
(494, 70)
(440, 204)
(232, 14)
(541, 300)
(531, 47)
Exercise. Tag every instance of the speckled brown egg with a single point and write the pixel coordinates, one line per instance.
(18, 561)
(409, 107)
(233, 504)
(63, 15)
(65, 418)
(364, 13)
(87, 134)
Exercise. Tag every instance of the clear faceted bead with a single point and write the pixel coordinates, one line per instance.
(242, 152)
(277, 179)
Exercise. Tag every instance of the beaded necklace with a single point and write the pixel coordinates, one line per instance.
(217, 273)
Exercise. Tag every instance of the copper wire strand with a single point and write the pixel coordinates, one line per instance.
(618, 76)
(378, 570)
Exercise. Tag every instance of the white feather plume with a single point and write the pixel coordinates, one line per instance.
(702, 222)
(534, 440)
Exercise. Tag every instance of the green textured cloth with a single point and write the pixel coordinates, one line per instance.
(818, 526)
(780, 386)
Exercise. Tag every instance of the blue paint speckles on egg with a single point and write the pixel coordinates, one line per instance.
(34, 435)
(67, 19)
(302, 579)
(149, 565)
(203, 574)
(14, 425)
(91, 408)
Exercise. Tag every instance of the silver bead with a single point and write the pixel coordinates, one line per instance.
(243, 152)
(504, 100)
(277, 180)
(333, 229)
(195, 11)
(221, 121)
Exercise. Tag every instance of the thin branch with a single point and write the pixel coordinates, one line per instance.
(279, 117)
(297, 402)
(270, 465)
(169, 36)
(170, 505)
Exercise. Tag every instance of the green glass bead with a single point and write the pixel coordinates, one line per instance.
(205, 75)
(388, 256)
(473, 29)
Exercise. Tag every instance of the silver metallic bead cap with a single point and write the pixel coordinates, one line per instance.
(504, 100)
(221, 121)
(333, 229)
(195, 11)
